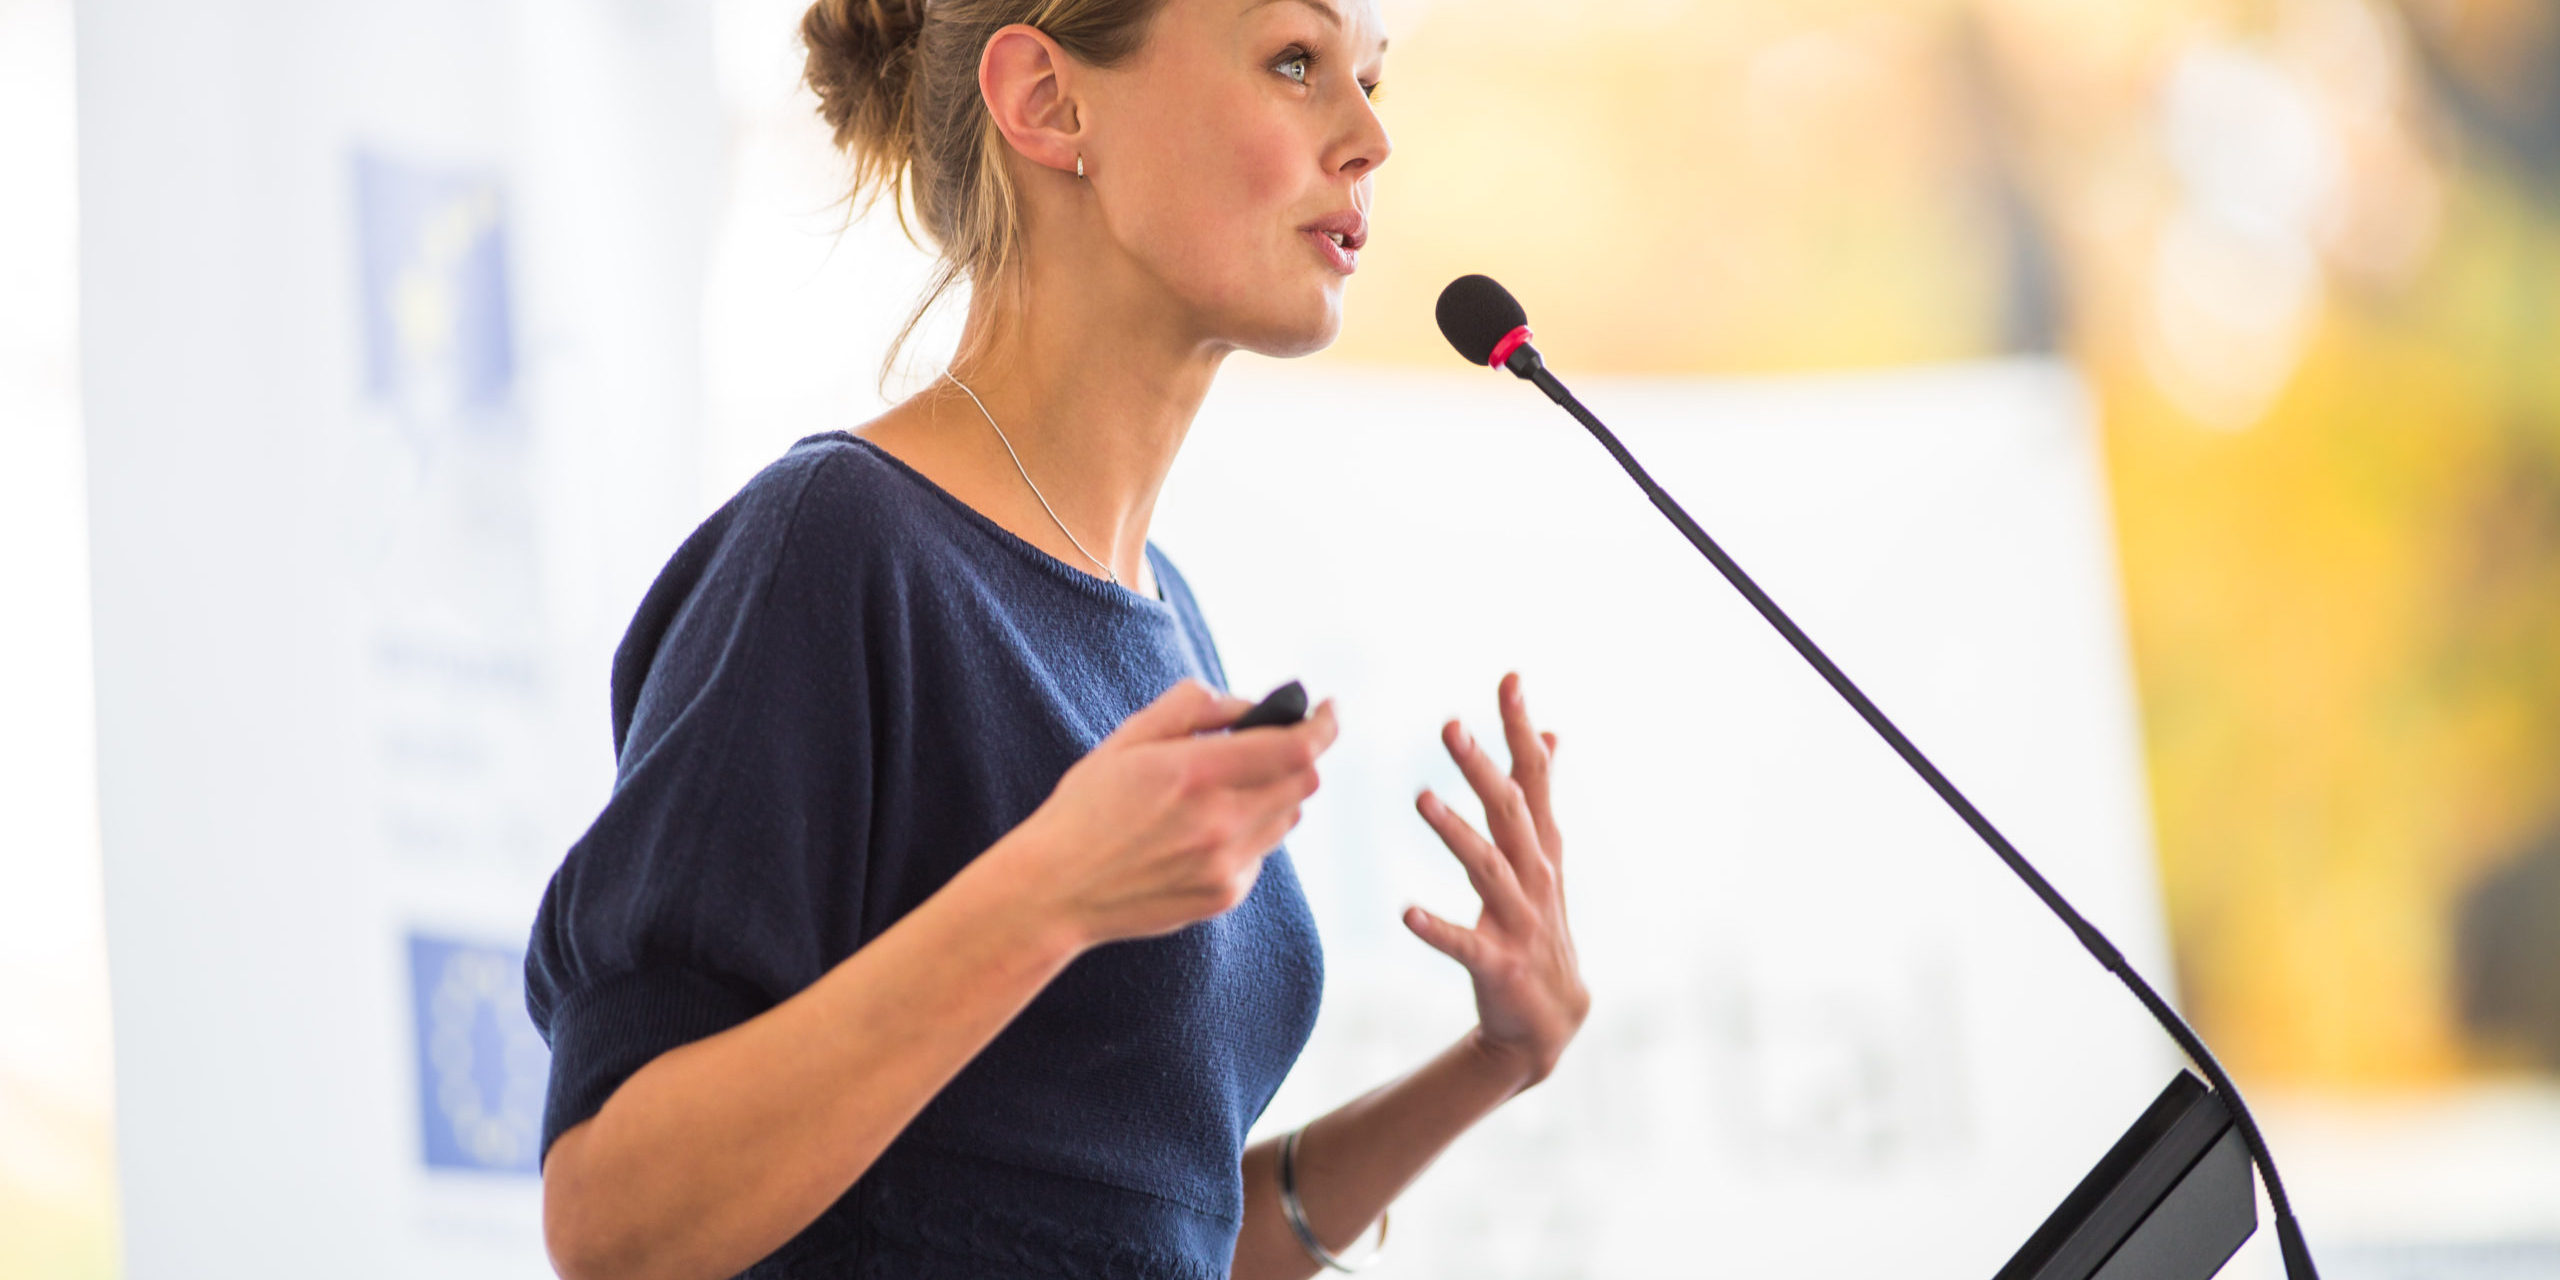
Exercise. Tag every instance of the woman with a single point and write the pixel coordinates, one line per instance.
(931, 929)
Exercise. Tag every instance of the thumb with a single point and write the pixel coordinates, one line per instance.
(1188, 707)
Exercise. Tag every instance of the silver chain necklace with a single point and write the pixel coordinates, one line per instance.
(1026, 478)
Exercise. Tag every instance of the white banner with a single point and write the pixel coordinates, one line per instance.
(392, 387)
(1831, 1037)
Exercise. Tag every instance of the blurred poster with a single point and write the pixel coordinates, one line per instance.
(458, 615)
(439, 340)
(456, 665)
(482, 1067)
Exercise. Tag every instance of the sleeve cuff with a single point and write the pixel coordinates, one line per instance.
(603, 1033)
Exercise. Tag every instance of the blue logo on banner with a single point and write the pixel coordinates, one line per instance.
(482, 1068)
(439, 340)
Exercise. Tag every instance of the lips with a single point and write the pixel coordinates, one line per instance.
(1346, 228)
(1339, 237)
(1341, 259)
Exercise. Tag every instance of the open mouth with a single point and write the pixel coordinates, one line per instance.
(1338, 238)
(1338, 250)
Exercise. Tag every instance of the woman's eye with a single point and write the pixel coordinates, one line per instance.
(1299, 61)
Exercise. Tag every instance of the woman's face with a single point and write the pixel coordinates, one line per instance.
(1233, 150)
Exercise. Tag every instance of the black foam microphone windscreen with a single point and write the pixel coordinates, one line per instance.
(1476, 314)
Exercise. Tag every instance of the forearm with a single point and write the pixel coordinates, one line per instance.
(1353, 1161)
(716, 1153)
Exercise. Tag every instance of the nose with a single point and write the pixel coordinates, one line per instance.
(1365, 144)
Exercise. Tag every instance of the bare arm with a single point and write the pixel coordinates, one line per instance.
(745, 1137)
(718, 1152)
(1358, 1158)
(1530, 1002)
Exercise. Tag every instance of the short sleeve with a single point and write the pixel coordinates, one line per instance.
(730, 858)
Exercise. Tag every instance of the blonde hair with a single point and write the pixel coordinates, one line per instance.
(897, 82)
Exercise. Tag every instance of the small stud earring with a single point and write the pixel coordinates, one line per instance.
(1079, 164)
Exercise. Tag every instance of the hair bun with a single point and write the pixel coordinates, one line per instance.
(898, 86)
(862, 57)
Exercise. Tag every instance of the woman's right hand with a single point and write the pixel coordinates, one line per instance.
(717, 1152)
(1162, 824)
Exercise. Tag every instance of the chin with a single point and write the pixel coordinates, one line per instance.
(1303, 331)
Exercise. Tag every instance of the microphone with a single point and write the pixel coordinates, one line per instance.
(1487, 326)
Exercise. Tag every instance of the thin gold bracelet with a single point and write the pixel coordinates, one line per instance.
(1297, 1213)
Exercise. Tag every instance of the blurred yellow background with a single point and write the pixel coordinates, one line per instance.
(2305, 253)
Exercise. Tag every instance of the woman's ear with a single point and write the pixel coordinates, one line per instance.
(1028, 82)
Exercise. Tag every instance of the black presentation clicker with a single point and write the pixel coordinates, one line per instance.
(1282, 706)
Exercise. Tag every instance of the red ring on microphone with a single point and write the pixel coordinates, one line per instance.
(1511, 342)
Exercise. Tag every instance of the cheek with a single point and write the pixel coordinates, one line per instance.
(1222, 189)
(1264, 168)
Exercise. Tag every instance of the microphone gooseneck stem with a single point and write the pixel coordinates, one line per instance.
(1526, 363)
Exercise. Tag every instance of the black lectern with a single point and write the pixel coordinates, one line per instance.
(2171, 1200)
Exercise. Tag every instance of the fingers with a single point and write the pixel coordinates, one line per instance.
(1257, 757)
(1189, 706)
(1530, 753)
(1506, 805)
(1487, 870)
(1459, 944)
(1266, 835)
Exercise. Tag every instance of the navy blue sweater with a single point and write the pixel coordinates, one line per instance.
(844, 686)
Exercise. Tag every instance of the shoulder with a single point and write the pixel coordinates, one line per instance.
(833, 483)
(832, 506)
(810, 537)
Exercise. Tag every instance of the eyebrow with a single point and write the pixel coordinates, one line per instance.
(1331, 14)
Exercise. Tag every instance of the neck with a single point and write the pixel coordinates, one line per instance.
(1095, 393)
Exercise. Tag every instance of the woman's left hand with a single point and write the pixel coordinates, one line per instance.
(1529, 994)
